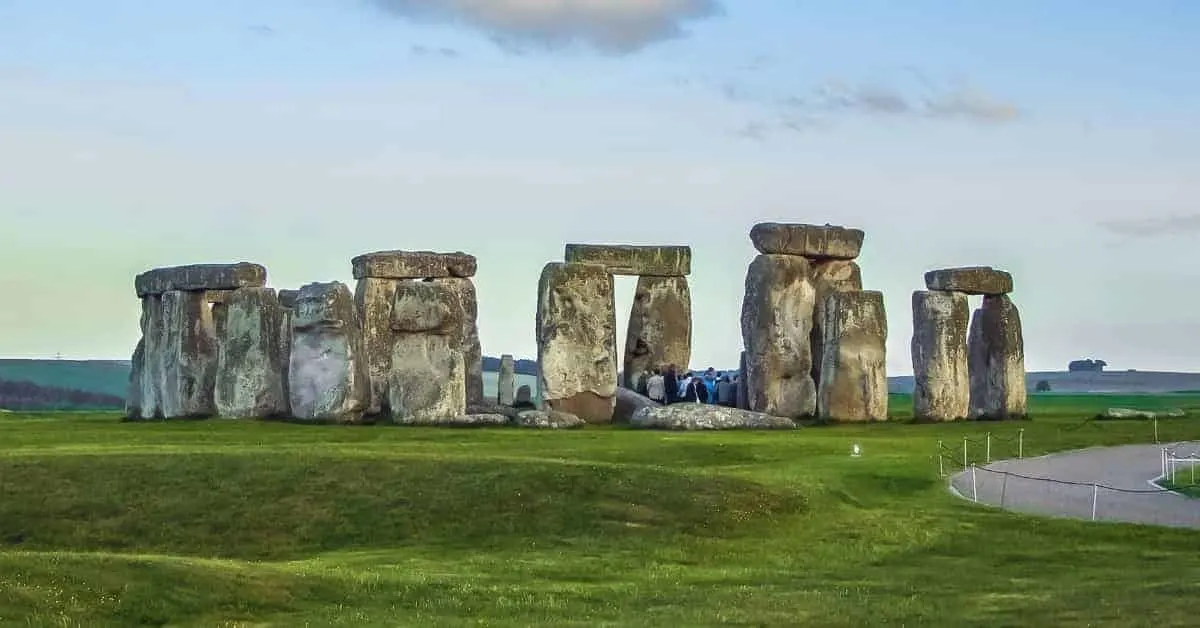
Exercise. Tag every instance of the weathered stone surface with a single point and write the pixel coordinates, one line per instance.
(816, 242)
(285, 350)
(491, 407)
(150, 387)
(629, 402)
(328, 378)
(854, 383)
(828, 277)
(287, 298)
(703, 416)
(776, 328)
(413, 265)
(996, 361)
(1129, 413)
(471, 348)
(506, 381)
(426, 384)
(524, 396)
(428, 307)
(249, 381)
(189, 355)
(624, 259)
(374, 299)
(660, 328)
(475, 420)
(576, 336)
(133, 391)
(939, 356)
(970, 280)
(549, 420)
(195, 277)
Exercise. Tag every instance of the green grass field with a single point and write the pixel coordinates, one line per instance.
(248, 523)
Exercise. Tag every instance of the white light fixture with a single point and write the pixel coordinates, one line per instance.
(855, 451)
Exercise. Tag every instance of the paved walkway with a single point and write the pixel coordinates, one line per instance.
(1062, 485)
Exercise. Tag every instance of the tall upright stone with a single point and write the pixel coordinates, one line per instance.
(828, 277)
(576, 338)
(660, 328)
(328, 378)
(506, 381)
(249, 380)
(373, 298)
(188, 346)
(996, 361)
(776, 331)
(853, 384)
(287, 306)
(133, 390)
(472, 350)
(427, 381)
(939, 354)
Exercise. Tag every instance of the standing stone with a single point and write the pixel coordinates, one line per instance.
(776, 329)
(524, 396)
(328, 378)
(939, 355)
(829, 277)
(506, 382)
(189, 355)
(576, 338)
(853, 384)
(150, 388)
(427, 381)
(286, 309)
(996, 361)
(249, 381)
(660, 328)
(471, 349)
(373, 299)
(133, 391)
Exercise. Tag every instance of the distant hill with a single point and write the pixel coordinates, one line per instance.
(106, 377)
(1093, 382)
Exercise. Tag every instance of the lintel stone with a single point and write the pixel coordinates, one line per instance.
(198, 277)
(413, 265)
(626, 259)
(816, 242)
(970, 280)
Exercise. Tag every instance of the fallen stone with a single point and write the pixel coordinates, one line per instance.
(996, 361)
(828, 277)
(506, 381)
(196, 277)
(703, 416)
(623, 259)
(816, 242)
(629, 402)
(776, 331)
(189, 356)
(854, 383)
(488, 407)
(413, 265)
(373, 300)
(474, 420)
(660, 328)
(328, 380)
(941, 389)
(549, 420)
(576, 337)
(970, 280)
(1128, 413)
(249, 382)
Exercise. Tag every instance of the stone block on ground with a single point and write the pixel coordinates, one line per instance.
(549, 420)
(576, 337)
(249, 381)
(629, 402)
(328, 380)
(703, 416)
(189, 356)
(624, 259)
(413, 265)
(828, 277)
(996, 361)
(939, 355)
(970, 280)
(776, 331)
(660, 328)
(816, 242)
(854, 384)
(196, 277)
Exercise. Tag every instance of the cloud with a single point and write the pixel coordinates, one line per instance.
(1178, 224)
(431, 51)
(609, 26)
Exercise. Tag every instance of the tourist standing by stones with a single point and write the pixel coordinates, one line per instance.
(696, 391)
(671, 385)
(726, 392)
(655, 388)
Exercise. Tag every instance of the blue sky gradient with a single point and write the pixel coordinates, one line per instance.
(1057, 140)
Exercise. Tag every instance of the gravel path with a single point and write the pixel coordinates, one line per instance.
(1062, 485)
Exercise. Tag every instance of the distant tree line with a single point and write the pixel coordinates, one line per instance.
(29, 396)
(523, 367)
(1087, 366)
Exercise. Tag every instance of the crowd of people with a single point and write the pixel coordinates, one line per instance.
(667, 385)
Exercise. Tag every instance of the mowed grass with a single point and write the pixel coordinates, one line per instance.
(217, 522)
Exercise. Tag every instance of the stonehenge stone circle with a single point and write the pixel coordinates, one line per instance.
(506, 381)
(853, 384)
(249, 374)
(328, 380)
(976, 373)
(576, 340)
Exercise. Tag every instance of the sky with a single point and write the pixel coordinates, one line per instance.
(1057, 140)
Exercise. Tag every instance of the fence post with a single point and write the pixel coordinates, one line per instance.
(1095, 494)
(974, 487)
(1156, 428)
(1003, 489)
(1192, 467)
(1020, 443)
(1162, 461)
(988, 450)
(941, 465)
(965, 461)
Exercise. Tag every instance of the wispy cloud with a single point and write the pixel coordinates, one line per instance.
(1178, 224)
(432, 51)
(608, 26)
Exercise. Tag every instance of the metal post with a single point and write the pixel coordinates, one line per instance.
(1003, 489)
(988, 454)
(1192, 468)
(1162, 461)
(1021, 443)
(941, 463)
(965, 463)
(974, 487)
(1095, 494)
(1156, 429)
